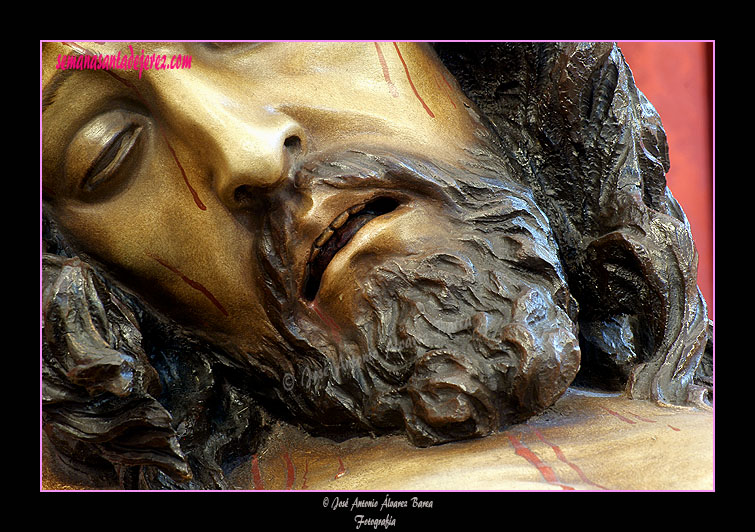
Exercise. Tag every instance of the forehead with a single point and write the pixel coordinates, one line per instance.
(393, 93)
(221, 54)
(264, 58)
(65, 63)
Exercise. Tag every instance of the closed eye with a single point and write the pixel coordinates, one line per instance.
(112, 157)
(104, 154)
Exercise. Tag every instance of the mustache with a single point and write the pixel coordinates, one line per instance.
(355, 168)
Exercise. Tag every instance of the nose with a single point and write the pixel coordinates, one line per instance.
(255, 154)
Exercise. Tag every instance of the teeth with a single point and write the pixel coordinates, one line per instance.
(335, 224)
(324, 237)
(338, 222)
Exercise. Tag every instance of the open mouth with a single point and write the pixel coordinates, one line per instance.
(337, 235)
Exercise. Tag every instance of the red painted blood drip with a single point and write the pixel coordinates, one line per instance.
(341, 470)
(450, 88)
(409, 77)
(134, 88)
(194, 284)
(561, 456)
(674, 428)
(444, 91)
(256, 475)
(646, 420)
(330, 322)
(290, 472)
(193, 192)
(386, 73)
(548, 474)
(624, 419)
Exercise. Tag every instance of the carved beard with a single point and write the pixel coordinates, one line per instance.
(477, 333)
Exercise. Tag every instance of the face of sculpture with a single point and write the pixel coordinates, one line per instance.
(284, 198)
(170, 176)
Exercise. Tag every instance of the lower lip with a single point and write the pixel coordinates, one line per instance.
(347, 231)
(362, 241)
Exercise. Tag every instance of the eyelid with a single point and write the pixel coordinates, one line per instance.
(112, 156)
(99, 148)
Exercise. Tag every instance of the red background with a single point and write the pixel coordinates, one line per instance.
(677, 78)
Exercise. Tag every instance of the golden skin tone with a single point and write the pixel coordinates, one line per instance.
(154, 175)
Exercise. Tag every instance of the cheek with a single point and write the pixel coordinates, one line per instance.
(194, 264)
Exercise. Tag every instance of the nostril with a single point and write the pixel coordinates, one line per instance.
(293, 144)
(244, 195)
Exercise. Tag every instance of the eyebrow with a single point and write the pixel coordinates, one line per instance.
(49, 92)
(59, 78)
